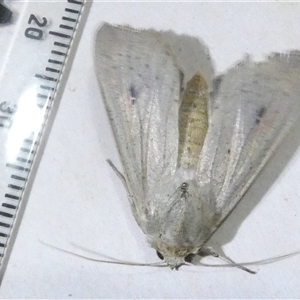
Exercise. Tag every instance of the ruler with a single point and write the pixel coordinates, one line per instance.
(37, 43)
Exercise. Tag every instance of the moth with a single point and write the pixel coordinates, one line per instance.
(190, 155)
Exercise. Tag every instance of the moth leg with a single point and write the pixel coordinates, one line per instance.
(119, 174)
(209, 251)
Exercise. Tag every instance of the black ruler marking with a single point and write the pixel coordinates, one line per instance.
(20, 168)
(15, 187)
(73, 11)
(4, 225)
(40, 105)
(66, 27)
(24, 160)
(62, 35)
(26, 150)
(58, 53)
(75, 2)
(52, 70)
(12, 196)
(61, 45)
(5, 214)
(45, 87)
(53, 61)
(45, 77)
(42, 96)
(69, 19)
(28, 141)
(18, 177)
(9, 206)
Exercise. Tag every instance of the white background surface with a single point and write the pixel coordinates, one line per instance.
(76, 197)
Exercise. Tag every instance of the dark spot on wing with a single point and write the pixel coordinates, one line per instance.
(216, 86)
(228, 151)
(132, 90)
(133, 93)
(147, 65)
(260, 113)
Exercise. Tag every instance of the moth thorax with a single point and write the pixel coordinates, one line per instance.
(193, 121)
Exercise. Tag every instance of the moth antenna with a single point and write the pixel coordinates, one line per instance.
(113, 261)
(272, 259)
(253, 263)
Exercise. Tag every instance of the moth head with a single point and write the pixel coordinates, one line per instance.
(174, 257)
(175, 262)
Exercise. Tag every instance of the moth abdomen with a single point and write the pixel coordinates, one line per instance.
(193, 121)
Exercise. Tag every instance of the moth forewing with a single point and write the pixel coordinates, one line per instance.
(123, 66)
(185, 171)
